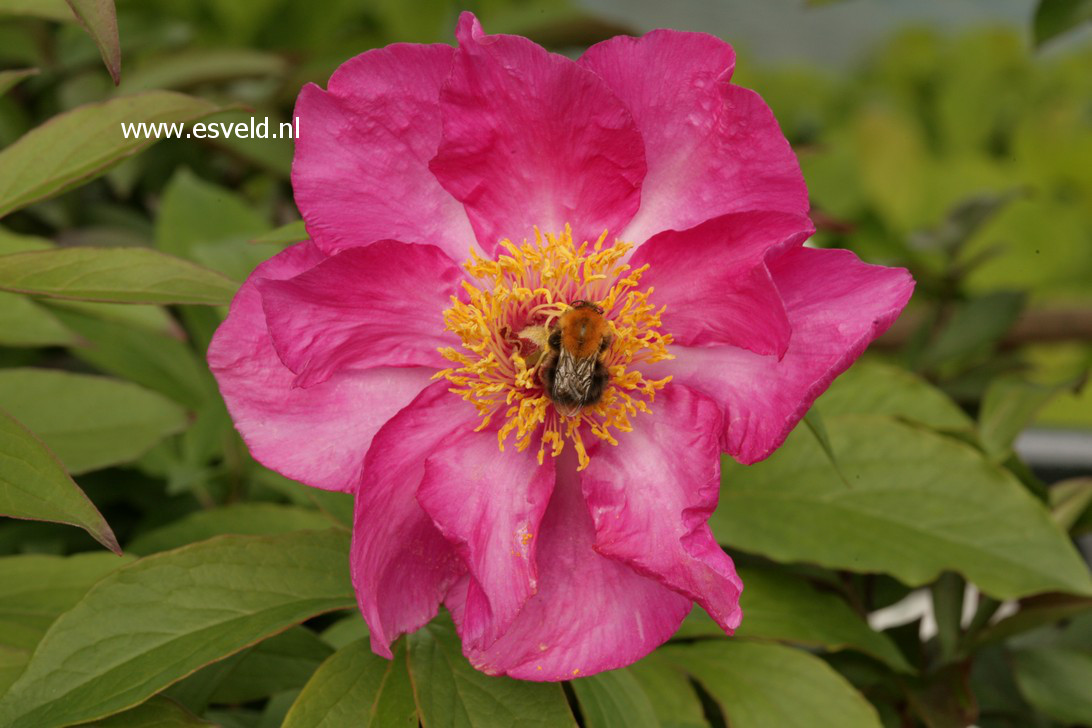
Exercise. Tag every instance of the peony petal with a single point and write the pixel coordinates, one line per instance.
(381, 305)
(590, 613)
(360, 173)
(714, 282)
(320, 435)
(712, 148)
(402, 566)
(489, 505)
(530, 138)
(836, 305)
(651, 496)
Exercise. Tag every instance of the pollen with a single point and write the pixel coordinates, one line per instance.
(527, 288)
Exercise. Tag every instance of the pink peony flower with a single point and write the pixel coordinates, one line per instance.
(369, 360)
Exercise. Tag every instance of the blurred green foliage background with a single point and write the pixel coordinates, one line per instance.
(964, 154)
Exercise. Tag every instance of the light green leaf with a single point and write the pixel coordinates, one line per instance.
(673, 698)
(1056, 681)
(873, 388)
(24, 323)
(293, 232)
(154, 319)
(345, 630)
(36, 589)
(158, 712)
(114, 275)
(15, 243)
(47, 9)
(357, 687)
(150, 359)
(100, 20)
(194, 67)
(1010, 405)
(920, 504)
(779, 606)
(8, 79)
(35, 486)
(452, 694)
(239, 518)
(90, 422)
(614, 699)
(209, 225)
(150, 624)
(1056, 17)
(82, 144)
(761, 685)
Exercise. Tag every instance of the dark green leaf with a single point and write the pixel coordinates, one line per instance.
(35, 486)
(973, 328)
(282, 662)
(89, 422)
(158, 712)
(82, 144)
(1069, 500)
(100, 20)
(903, 516)
(8, 79)
(114, 275)
(452, 694)
(1056, 17)
(673, 698)
(614, 699)
(152, 623)
(1056, 680)
(761, 685)
(194, 67)
(1010, 405)
(357, 687)
(47, 9)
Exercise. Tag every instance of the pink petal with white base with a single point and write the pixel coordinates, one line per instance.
(531, 138)
(715, 284)
(712, 148)
(836, 305)
(320, 435)
(401, 564)
(489, 505)
(590, 613)
(651, 496)
(365, 307)
(360, 173)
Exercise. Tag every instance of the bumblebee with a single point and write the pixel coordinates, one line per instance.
(572, 368)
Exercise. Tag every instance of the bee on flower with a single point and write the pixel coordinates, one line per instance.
(540, 299)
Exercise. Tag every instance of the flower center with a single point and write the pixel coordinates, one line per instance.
(537, 313)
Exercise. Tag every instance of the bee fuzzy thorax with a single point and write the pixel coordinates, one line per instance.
(553, 336)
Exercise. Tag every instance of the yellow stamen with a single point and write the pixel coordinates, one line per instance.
(533, 284)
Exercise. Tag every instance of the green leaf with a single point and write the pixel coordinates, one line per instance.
(12, 663)
(1010, 405)
(195, 67)
(8, 79)
(760, 685)
(114, 275)
(14, 243)
(881, 389)
(293, 232)
(150, 624)
(82, 144)
(47, 9)
(974, 327)
(148, 358)
(345, 630)
(614, 699)
(1056, 17)
(1056, 681)
(920, 504)
(282, 662)
(100, 20)
(36, 589)
(239, 518)
(780, 606)
(357, 687)
(90, 422)
(452, 694)
(158, 712)
(673, 698)
(1069, 500)
(35, 486)
(24, 323)
(209, 225)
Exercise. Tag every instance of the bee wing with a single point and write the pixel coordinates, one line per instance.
(573, 379)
